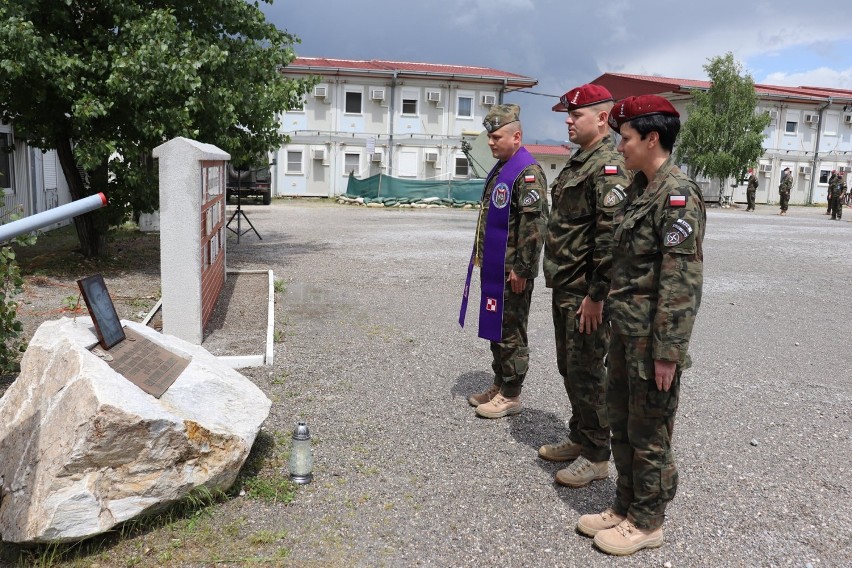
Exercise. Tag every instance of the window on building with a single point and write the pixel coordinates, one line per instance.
(351, 163)
(831, 124)
(462, 167)
(552, 166)
(792, 127)
(298, 106)
(409, 106)
(823, 176)
(465, 106)
(7, 180)
(353, 102)
(294, 161)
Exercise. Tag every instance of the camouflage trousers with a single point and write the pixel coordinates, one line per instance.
(642, 421)
(835, 207)
(580, 360)
(511, 357)
(750, 195)
(785, 201)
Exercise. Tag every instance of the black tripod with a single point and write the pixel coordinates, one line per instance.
(239, 214)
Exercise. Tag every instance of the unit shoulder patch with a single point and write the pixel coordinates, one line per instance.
(614, 196)
(679, 231)
(530, 198)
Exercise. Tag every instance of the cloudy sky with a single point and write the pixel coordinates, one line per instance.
(565, 43)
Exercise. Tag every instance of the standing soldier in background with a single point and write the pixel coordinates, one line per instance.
(577, 262)
(509, 237)
(836, 196)
(657, 276)
(832, 179)
(784, 189)
(751, 189)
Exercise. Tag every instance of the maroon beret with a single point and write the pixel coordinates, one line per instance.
(582, 96)
(644, 105)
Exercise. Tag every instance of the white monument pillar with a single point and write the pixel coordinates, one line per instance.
(192, 234)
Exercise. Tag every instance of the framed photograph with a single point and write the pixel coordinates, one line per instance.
(99, 303)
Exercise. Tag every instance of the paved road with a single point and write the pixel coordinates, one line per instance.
(407, 475)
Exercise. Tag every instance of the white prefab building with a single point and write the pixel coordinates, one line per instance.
(400, 119)
(31, 180)
(810, 132)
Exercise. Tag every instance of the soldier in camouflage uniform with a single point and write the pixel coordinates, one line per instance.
(832, 179)
(836, 193)
(527, 221)
(751, 190)
(784, 189)
(577, 262)
(655, 294)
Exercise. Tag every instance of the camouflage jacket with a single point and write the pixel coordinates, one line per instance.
(657, 271)
(585, 196)
(836, 187)
(786, 185)
(527, 221)
(752, 183)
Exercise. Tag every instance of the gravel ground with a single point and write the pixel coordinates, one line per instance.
(372, 358)
(407, 475)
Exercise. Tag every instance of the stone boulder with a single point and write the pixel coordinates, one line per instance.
(83, 449)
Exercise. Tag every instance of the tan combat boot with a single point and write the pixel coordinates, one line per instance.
(626, 538)
(582, 472)
(592, 524)
(483, 397)
(564, 451)
(499, 406)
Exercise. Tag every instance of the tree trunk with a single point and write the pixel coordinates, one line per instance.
(91, 236)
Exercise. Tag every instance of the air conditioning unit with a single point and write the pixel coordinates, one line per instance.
(811, 118)
(433, 96)
(766, 168)
(377, 94)
(489, 100)
(847, 119)
(377, 156)
(805, 170)
(318, 154)
(842, 169)
(321, 91)
(431, 156)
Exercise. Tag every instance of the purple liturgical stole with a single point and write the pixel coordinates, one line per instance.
(494, 248)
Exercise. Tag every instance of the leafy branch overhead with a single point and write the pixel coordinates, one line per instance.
(723, 135)
(106, 81)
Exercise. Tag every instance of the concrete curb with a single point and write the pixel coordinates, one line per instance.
(243, 361)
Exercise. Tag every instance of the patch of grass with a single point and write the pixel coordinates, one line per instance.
(266, 537)
(278, 335)
(70, 303)
(279, 286)
(282, 378)
(274, 489)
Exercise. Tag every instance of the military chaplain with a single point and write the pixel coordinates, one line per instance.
(577, 261)
(509, 237)
(657, 275)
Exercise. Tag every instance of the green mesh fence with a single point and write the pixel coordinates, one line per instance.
(390, 190)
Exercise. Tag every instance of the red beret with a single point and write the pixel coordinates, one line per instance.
(582, 96)
(644, 105)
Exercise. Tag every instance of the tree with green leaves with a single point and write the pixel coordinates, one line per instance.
(105, 81)
(723, 136)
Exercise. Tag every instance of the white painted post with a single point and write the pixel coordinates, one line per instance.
(191, 223)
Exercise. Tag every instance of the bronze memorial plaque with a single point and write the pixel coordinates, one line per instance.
(146, 364)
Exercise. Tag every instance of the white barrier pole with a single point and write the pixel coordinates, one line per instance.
(39, 220)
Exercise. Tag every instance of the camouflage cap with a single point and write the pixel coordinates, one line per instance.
(500, 116)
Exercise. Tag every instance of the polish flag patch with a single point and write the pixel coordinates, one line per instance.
(610, 170)
(491, 304)
(529, 179)
(677, 200)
